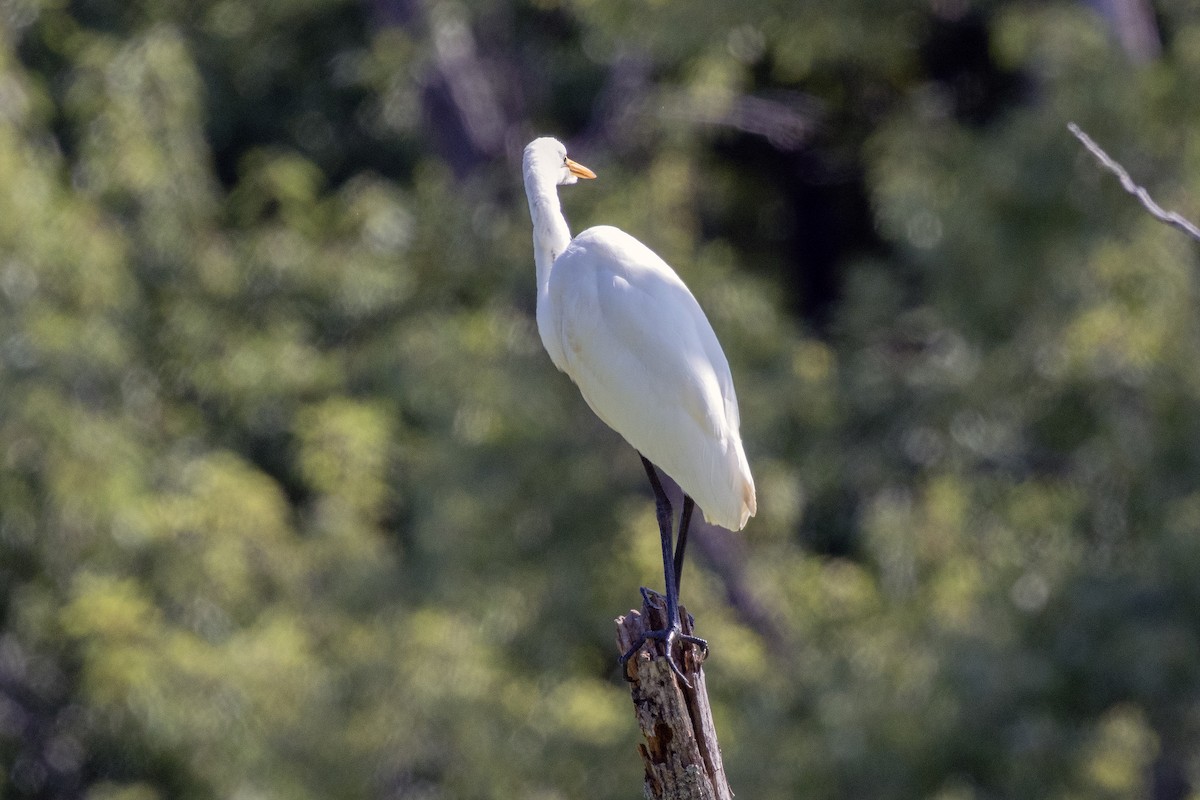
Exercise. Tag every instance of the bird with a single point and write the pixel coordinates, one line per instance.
(628, 332)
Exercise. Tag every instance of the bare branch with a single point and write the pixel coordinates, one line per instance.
(1172, 218)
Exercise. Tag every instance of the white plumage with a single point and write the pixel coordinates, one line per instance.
(619, 321)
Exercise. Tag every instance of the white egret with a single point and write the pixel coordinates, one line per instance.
(619, 321)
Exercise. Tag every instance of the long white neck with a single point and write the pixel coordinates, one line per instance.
(550, 232)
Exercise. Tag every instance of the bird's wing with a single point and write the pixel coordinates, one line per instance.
(645, 358)
(629, 325)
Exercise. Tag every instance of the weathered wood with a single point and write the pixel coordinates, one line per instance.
(680, 753)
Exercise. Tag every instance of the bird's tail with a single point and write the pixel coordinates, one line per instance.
(749, 497)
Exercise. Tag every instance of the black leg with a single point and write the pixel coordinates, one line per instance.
(685, 521)
(674, 630)
(662, 510)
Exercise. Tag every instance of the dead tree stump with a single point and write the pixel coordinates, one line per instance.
(680, 752)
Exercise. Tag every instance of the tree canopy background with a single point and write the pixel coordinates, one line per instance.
(293, 505)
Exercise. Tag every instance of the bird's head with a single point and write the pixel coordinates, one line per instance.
(546, 159)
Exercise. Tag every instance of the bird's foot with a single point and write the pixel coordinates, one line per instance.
(669, 636)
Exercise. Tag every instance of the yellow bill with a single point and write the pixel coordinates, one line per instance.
(579, 170)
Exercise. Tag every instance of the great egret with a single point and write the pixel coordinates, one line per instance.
(629, 333)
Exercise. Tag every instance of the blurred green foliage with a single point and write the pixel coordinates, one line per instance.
(292, 504)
